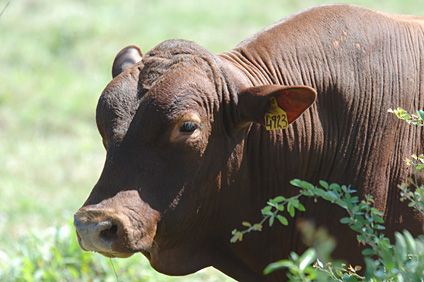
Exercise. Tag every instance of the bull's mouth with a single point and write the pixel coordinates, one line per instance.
(147, 254)
(116, 255)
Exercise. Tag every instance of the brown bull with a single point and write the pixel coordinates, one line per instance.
(189, 156)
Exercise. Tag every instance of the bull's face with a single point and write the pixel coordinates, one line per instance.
(173, 135)
(155, 121)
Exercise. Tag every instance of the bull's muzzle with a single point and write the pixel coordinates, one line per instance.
(102, 231)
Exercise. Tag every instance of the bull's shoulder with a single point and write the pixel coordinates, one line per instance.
(320, 22)
(408, 19)
(353, 11)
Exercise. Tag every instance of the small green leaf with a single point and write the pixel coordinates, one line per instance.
(307, 193)
(400, 246)
(379, 227)
(333, 195)
(295, 182)
(335, 187)
(283, 220)
(300, 207)
(371, 266)
(403, 114)
(323, 184)
(387, 257)
(279, 199)
(368, 252)
(290, 209)
(320, 264)
(245, 223)
(345, 220)
(278, 265)
(294, 202)
(341, 203)
(378, 219)
(307, 258)
(410, 241)
(266, 210)
(271, 221)
(302, 184)
(271, 203)
(420, 114)
(356, 228)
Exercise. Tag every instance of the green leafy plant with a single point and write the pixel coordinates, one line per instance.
(415, 196)
(401, 261)
(270, 213)
(54, 254)
(412, 191)
(299, 266)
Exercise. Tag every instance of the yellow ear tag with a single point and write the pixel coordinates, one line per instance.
(276, 117)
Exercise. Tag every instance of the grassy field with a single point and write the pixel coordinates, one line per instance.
(55, 59)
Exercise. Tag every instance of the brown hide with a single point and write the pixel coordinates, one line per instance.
(189, 159)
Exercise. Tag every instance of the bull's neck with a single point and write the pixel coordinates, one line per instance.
(286, 53)
(248, 72)
(281, 64)
(302, 49)
(279, 55)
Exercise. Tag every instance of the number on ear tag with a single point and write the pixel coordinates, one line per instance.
(276, 117)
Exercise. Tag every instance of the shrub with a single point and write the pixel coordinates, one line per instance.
(384, 261)
(52, 255)
(55, 255)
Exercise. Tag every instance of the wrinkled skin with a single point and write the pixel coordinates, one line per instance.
(188, 157)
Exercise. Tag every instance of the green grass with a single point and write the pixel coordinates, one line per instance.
(55, 59)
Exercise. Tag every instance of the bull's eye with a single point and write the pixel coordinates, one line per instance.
(189, 126)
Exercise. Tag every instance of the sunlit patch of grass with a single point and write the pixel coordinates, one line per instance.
(53, 255)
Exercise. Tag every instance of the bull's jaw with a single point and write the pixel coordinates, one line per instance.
(165, 259)
(174, 260)
(116, 227)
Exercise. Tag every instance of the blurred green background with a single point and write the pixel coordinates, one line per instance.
(55, 59)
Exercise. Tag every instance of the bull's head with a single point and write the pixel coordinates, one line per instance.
(174, 124)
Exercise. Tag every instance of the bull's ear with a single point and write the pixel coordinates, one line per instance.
(127, 57)
(261, 104)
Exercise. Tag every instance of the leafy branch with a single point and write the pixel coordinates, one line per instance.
(416, 196)
(403, 260)
(363, 217)
(270, 213)
(415, 119)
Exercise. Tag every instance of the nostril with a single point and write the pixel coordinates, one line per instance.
(109, 234)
